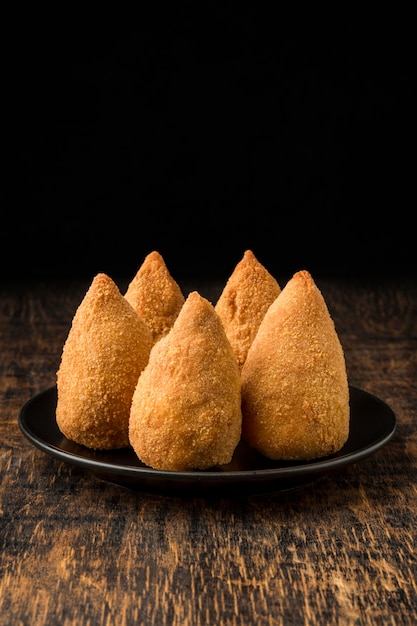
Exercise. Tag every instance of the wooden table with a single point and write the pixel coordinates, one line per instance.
(340, 550)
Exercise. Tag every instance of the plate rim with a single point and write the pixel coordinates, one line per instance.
(113, 470)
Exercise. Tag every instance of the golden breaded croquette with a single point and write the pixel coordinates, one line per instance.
(107, 347)
(244, 301)
(186, 408)
(155, 295)
(295, 393)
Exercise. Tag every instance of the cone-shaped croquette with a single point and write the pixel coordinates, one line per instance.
(186, 408)
(295, 393)
(155, 295)
(244, 301)
(107, 347)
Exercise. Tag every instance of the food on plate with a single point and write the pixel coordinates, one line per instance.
(244, 301)
(186, 408)
(107, 347)
(295, 393)
(155, 295)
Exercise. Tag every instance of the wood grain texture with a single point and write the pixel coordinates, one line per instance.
(341, 550)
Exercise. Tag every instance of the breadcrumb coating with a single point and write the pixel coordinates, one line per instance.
(155, 295)
(186, 408)
(107, 347)
(245, 299)
(295, 393)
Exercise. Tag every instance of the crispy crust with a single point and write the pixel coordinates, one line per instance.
(295, 394)
(155, 295)
(186, 408)
(107, 347)
(245, 299)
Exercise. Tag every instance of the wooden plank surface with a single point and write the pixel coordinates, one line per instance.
(341, 550)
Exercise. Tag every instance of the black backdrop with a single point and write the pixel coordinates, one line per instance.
(202, 139)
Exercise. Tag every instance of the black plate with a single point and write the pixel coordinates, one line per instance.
(372, 424)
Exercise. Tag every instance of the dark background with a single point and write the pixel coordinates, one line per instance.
(201, 137)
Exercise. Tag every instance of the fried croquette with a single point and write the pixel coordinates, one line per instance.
(155, 295)
(107, 347)
(186, 408)
(244, 301)
(295, 394)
